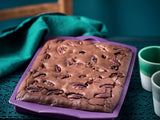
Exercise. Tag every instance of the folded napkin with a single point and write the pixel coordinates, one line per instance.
(19, 44)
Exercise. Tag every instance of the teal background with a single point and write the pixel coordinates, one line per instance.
(122, 17)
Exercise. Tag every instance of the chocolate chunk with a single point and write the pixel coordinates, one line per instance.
(47, 56)
(115, 67)
(99, 69)
(89, 81)
(94, 59)
(120, 53)
(63, 76)
(102, 95)
(82, 76)
(113, 74)
(62, 49)
(35, 82)
(40, 75)
(88, 64)
(78, 86)
(121, 75)
(34, 88)
(70, 43)
(48, 83)
(101, 47)
(55, 92)
(103, 56)
(107, 86)
(74, 95)
(116, 53)
(74, 59)
(57, 68)
(82, 52)
(100, 77)
(116, 48)
(60, 40)
(34, 71)
(68, 63)
(114, 64)
(42, 65)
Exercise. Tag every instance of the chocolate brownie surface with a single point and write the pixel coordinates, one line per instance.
(77, 74)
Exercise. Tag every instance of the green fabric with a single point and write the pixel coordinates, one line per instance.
(17, 45)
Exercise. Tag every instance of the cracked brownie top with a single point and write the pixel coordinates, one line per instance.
(77, 74)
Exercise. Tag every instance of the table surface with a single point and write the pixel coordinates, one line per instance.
(138, 103)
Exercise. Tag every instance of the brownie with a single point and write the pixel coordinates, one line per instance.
(77, 74)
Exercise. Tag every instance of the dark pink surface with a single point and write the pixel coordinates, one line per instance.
(27, 107)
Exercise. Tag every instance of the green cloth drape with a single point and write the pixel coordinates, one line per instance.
(17, 45)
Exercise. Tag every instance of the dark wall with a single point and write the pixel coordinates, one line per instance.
(122, 17)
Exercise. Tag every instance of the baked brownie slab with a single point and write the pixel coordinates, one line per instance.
(77, 74)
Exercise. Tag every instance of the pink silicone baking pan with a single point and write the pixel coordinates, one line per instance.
(66, 113)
